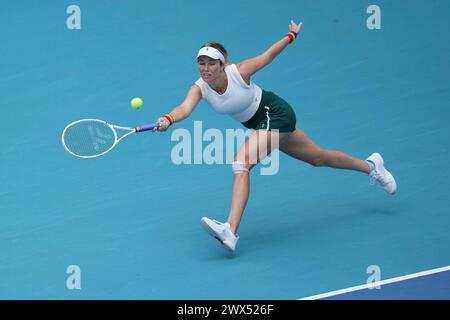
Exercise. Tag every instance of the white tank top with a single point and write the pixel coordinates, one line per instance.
(240, 100)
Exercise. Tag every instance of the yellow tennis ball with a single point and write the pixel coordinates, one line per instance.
(136, 103)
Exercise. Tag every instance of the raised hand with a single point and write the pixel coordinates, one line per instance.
(295, 27)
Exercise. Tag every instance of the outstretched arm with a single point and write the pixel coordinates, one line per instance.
(249, 67)
(182, 111)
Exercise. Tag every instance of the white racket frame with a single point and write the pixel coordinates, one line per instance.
(111, 126)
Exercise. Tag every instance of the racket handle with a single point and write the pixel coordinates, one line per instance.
(146, 127)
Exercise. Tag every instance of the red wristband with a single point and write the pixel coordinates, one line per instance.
(169, 118)
(291, 36)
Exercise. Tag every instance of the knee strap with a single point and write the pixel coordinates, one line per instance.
(238, 167)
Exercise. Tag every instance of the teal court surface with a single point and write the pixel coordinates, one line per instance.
(127, 225)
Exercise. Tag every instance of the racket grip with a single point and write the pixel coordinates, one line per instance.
(146, 127)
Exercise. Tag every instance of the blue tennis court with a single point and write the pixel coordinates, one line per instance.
(130, 221)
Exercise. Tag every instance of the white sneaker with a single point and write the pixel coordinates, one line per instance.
(221, 231)
(381, 175)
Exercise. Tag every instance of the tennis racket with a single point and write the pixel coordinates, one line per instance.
(92, 138)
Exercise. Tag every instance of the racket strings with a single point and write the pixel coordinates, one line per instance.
(89, 138)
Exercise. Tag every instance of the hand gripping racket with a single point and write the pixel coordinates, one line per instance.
(92, 138)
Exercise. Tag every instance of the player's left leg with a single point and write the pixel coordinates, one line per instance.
(298, 145)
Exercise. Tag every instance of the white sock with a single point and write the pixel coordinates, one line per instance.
(371, 165)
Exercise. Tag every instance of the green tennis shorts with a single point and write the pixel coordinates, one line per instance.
(273, 114)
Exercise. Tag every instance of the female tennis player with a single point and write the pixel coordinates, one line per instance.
(228, 89)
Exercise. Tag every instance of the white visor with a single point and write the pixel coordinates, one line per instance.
(212, 53)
